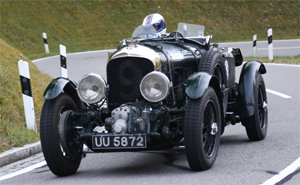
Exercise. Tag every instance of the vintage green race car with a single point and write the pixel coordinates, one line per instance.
(173, 91)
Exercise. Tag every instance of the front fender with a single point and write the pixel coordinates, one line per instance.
(56, 87)
(246, 87)
(197, 84)
(63, 84)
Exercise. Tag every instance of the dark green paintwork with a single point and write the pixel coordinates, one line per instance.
(197, 84)
(68, 86)
(55, 87)
(178, 56)
(246, 84)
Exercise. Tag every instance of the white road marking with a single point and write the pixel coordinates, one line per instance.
(40, 59)
(284, 173)
(25, 170)
(250, 42)
(278, 93)
(280, 48)
(286, 65)
(289, 40)
(78, 53)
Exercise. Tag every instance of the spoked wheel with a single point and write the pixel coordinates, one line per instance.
(256, 125)
(219, 74)
(212, 63)
(202, 130)
(60, 162)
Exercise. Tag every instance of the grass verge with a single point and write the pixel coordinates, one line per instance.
(13, 131)
(94, 25)
(281, 60)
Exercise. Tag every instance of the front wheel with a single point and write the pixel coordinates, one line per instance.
(58, 160)
(256, 125)
(202, 130)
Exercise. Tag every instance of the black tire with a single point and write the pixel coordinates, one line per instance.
(201, 140)
(257, 125)
(211, 62)
(58, 161)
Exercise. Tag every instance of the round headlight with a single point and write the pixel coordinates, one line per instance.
(155, 86)
(91, 88)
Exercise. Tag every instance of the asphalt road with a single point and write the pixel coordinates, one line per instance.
(280, 48)
(239, 161)
(79, 64)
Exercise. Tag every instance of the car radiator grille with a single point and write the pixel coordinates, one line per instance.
(124, 76)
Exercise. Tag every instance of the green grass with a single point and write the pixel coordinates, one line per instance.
(282, 60)
(83, 25)
(93, 25)
(13, 131)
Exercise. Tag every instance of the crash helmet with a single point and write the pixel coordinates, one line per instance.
(155, 23)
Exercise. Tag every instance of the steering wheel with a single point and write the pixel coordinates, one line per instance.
(175, 34)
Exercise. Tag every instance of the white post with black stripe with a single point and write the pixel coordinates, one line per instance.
(27, 95)
(46, 43)
(270, 43)
(254, 45)
(63, 61)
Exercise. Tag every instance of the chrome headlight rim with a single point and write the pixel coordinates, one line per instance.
(165, 80)
(103, 87)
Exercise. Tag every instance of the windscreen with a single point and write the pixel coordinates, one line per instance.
(191, 30)
(187, 30)
(145, 32)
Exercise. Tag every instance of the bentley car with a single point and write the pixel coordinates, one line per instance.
(173, 91)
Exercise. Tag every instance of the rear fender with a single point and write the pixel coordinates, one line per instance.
(63, 84)
(247, 81)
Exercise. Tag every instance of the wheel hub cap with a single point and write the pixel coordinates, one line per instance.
(214, 129)
(265, 106)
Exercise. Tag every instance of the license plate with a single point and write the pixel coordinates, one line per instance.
(119, 141)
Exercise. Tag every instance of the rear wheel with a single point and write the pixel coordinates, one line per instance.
(256, 125)
(202, 130)
(211, 63)
(59, 161)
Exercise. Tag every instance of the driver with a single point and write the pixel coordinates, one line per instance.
(155, 23)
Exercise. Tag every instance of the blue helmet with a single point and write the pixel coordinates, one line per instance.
(155, 23)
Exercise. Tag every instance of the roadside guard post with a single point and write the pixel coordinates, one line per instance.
(27, 95)
(63, 61)
(45, 43)
(270, 43)
(254, 45)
